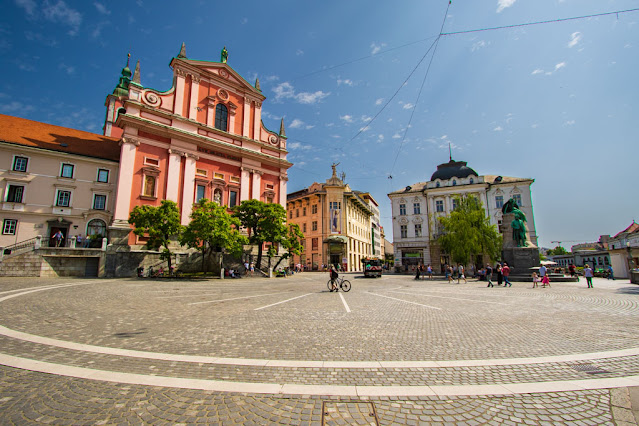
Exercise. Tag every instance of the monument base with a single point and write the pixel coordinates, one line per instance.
(521, 260)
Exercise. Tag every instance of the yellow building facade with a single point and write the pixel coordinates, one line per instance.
(336, 223)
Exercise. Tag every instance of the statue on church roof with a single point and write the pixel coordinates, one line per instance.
(224, 55)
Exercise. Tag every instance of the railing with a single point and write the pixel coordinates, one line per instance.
(21, 247)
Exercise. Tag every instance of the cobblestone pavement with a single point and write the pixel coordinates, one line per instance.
(79, 351)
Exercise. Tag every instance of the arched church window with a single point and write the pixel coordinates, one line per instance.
(221, 117)
(96, 227)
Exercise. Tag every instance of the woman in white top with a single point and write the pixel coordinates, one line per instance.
(588, 274)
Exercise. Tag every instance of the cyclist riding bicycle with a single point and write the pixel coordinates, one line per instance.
(334, 276)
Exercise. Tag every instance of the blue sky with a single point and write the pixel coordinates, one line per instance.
(557, 102)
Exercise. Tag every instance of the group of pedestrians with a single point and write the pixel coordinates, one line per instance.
(502, 272)
(423, 271)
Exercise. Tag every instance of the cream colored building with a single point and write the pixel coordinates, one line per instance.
(54, 178)
(417, 207)
(336, 223)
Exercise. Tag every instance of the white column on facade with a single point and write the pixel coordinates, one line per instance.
(282, 194)
(210, 113)
(173, 175)
(125, 179)
(483, 197)
(257, 185)
(245, 184)
(188, 188)
(247, 116)
(193, 104)
(257, 121)
(179, 92)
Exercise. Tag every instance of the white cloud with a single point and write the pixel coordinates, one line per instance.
(569, 123)
(375, 48)
(61, 13)
(29, 6)
(298, 145)
(346, 81)
(503, 4)
(379, 101)
(397, 136)
(574, 39)
(408, 106)
(287, 91)
(296, 124)
(67, 68)
(380, 138)
(15, 107)
(534, 126)
(299, 52)
(560, 65)
(498, 129)
(478, 45)
(537, 71)
(347, 118)
(364, 129)
(366, 118)
(102, 8)
(310, 98)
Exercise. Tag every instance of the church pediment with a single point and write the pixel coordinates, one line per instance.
(218, 71)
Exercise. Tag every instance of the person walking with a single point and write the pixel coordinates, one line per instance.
(505, 271)
(447, 273)
(535, 278)
(429, 270)
(542, 272)
(460, 274)
(57, 238)
(588, 274)
(500, 275)
(611, 274)
(489, 275)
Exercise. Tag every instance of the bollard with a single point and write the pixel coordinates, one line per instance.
(221, 273)
(270, 272)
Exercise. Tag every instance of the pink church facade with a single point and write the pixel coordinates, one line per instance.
(202, 138)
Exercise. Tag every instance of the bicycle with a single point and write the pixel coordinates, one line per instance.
(345, 285)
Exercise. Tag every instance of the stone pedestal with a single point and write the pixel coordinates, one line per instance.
(521, 259)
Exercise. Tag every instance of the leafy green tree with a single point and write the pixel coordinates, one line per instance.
(292, 243)
(467, 231)
(212, 226)
(160, 224)
(265, 222)
(557, 251)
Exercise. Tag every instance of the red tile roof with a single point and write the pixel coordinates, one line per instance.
(55, 138)
(634, 227)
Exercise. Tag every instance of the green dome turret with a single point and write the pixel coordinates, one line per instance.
(122, 89)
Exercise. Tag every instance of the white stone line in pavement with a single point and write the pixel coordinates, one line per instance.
(296, 363)
(449, 297)
(283, 301)
(406, 301)
(50, 287)
(235, 298)
(344, 302)
(323, 390)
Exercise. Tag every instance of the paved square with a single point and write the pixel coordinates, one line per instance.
(259, 351)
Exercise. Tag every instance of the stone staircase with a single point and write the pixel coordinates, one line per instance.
(27, 264)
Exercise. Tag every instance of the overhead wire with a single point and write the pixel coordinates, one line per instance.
(434, 45)
(550, 21)
(419, 94)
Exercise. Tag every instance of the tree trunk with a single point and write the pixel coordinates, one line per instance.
(259, 256)
(203, 261)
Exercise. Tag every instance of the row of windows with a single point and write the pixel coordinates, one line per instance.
(403, 230)
(94, 227)
(314, 244)
(439, 204)
(231, 199)
(297, 211)
(67, 170)
(15, 194)
(417, 209)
